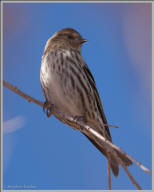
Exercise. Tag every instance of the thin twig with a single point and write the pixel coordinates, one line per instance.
(108, 125)
(111, 148)
(126, 170)
(22, 94)
(109, 172)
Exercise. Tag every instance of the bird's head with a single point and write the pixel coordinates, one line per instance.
(67, 38)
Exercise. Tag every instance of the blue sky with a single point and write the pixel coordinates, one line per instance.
(42, 152)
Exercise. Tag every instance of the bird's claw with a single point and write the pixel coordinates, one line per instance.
(45, 104)
(48, 108)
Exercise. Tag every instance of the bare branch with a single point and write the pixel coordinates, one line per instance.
(110, 147)
(22, 94)
(128, 173)
(109, 168)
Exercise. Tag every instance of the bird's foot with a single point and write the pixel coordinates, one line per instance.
(48, 108)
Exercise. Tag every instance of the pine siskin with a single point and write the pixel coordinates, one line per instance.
(68, 84)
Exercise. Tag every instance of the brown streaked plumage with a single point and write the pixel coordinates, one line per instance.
(68, 84)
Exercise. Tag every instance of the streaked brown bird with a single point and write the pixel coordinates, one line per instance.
(68, 84)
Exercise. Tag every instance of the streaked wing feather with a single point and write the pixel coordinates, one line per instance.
(99, 105)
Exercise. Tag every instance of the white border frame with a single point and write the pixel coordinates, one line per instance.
(1, 7)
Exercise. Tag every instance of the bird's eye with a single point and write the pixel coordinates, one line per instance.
(70, 37)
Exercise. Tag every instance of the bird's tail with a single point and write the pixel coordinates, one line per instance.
(114, 163)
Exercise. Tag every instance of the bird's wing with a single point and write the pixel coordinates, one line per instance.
(98, 101)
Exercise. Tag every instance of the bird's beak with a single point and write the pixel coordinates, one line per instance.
(84, 40)
(80, 41)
